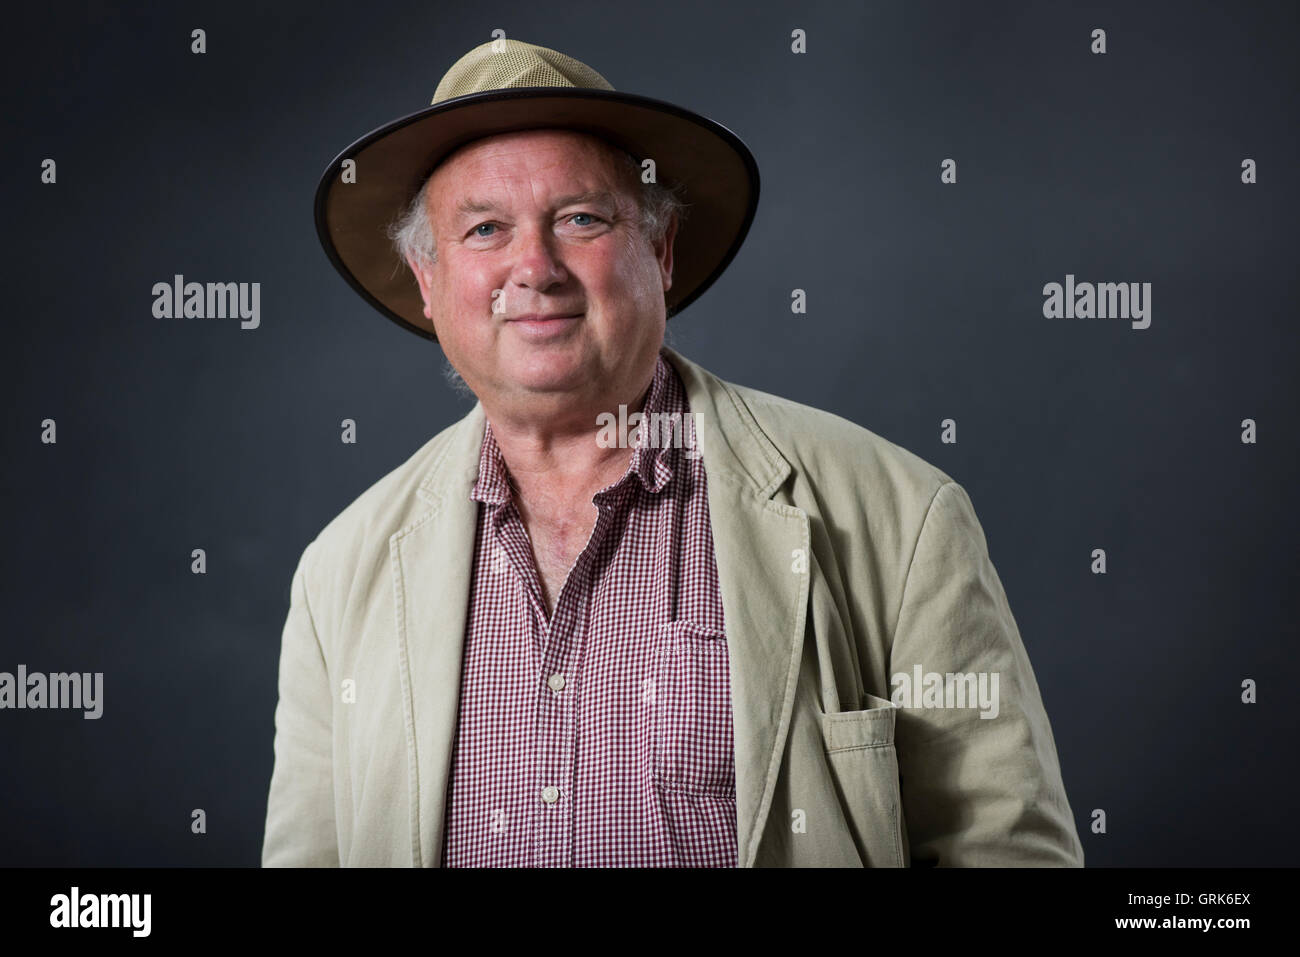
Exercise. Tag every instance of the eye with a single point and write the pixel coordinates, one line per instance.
(483, 226)
(594, 219)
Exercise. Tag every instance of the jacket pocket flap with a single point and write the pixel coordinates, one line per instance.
(872, 728)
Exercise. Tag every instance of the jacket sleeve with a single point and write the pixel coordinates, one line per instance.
(300, 827)
(976, 791)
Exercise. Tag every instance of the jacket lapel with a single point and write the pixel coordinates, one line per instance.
(431, 578)
(757, 543)
(763, 552)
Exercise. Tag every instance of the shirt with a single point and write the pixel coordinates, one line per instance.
(602, 736)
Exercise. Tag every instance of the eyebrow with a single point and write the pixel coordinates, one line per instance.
(472, 207)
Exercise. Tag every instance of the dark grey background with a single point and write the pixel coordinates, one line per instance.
(924, 303)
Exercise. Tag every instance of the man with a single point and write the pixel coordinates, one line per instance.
(547, 641)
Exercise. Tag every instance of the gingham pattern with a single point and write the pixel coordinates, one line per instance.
(638, 740)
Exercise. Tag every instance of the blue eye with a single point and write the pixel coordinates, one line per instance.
(484, 226)
(576, 215)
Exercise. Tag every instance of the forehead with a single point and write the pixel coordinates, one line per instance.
(554, 161)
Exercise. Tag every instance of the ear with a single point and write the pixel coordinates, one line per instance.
(424, 279)
(664, 253)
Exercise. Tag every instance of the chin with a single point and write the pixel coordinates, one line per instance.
(550, 374)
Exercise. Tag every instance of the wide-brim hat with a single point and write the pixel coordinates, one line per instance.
(505, 86)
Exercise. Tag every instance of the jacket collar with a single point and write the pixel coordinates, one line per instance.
(757, 543)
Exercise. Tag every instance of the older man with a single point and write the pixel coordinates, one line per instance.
(529, 646)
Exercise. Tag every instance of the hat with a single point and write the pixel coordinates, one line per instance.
(505, 86)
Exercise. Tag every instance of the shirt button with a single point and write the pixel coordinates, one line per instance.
(550, 794)
(556, 682)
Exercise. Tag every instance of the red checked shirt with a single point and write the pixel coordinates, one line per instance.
(602, 736)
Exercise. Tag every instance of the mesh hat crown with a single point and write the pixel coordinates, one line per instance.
(510, 64)
(507, 86)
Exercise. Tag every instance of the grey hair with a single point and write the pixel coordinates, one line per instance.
(451, 375)
(412, 232)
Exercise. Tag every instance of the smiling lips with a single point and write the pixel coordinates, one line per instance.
(538, 326)
(538, 318)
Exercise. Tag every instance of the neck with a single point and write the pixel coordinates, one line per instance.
(553, 460)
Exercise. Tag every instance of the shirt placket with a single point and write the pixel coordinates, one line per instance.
(557, 672)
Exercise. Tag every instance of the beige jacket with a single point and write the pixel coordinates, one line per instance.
(843, 560)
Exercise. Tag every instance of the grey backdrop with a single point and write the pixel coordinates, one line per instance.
(925, 302)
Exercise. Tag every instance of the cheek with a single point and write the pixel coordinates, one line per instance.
(642, 273)
(467, 288)
(627, 268)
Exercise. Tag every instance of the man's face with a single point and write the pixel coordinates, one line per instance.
(543, 223)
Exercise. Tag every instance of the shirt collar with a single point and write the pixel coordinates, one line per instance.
(652, 466)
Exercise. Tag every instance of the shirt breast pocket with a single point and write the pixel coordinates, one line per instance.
(692, 740)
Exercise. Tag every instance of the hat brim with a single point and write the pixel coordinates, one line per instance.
(717, 172)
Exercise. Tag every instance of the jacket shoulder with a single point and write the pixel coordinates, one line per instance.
(363, 527)
(820, 443)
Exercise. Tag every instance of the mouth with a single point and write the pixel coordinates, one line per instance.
(544, 317)
(543, 323)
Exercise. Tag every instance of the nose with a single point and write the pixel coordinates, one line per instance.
(536, 265)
